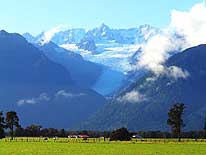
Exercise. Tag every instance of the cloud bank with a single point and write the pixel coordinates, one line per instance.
(191, 24)
(186, 29)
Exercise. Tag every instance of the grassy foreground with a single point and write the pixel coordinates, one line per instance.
(116, 148)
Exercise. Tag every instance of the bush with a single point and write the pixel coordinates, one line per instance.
(121, 134)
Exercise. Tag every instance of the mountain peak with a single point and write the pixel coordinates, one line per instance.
(14, 36)
(3, 32)
(104, 27)
(27, 34)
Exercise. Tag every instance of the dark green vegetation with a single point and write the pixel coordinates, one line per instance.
(175, 119)
(160, 94)
(12, 122)
(121, 134)
(2, 125)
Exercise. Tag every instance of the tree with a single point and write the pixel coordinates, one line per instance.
(20, 132)
(2, 125)
(204, 127)
(121, 134)
(62, 133)
(33, 130)
(175, 119)
(12, 121)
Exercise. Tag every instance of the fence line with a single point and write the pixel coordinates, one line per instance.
(96, 140)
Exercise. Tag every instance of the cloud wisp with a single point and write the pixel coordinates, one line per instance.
(186, 29)
(132, 97)
(44, 97)
(35, 100)
(65, 94)
(48, 35)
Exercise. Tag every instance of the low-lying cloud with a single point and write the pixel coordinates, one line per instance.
(132, 97)
(186, 29)
(191, 24)
(44, 97)
(157, 50)
(35, 100)
(176, 73)
(65, 94)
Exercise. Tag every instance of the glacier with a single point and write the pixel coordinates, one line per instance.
(111, 48)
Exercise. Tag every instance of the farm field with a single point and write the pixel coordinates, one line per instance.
(100, 148)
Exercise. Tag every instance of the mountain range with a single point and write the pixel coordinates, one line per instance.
(40, 90)
(110, 48)
(145, 103)
(88, 79)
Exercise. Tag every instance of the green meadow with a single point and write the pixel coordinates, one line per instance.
(51, 147)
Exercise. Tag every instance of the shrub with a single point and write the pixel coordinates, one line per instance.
(121, 134)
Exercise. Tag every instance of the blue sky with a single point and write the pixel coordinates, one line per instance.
(35, 16)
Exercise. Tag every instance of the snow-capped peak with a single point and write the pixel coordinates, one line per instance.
(104, 28)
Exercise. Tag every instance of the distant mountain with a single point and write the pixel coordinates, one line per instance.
(145, 103)
(59, 37)
(100, 35)
(30, 38)
(104, 34)
(41, 91)
(87, 44)
(111, 48)
(83, 72)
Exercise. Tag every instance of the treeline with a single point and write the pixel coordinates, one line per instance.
(38, 131)
(9, 126)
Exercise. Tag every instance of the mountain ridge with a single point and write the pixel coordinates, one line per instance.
(155, 95)
(40, 90)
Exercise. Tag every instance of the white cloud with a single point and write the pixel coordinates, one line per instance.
(176, 72)
(132, 97)
(191, 24)
(50, 33)
(45, 98)
(158, 49)
(186, 29)
(35, 100)
(65, 94)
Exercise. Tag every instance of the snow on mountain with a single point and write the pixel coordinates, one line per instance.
(112, 48)
(59, 35)
(104, 45)
(29, 37)
(84, 73)
(69, 36)
(105, 34)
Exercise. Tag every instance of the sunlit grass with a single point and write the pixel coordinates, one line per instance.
(61, 146)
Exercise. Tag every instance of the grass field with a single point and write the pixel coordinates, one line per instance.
(101, 148)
